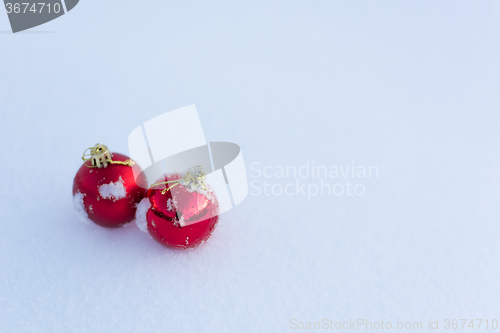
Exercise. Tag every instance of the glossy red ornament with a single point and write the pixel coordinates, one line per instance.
(170, 224)
(110, 194)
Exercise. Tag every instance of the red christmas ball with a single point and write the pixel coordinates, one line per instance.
(110, 193)
(181, 218)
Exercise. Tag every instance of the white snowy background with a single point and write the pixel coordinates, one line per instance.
(411, 87)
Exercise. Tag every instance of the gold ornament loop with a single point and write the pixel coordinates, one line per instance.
(100, 156)
(194, 179)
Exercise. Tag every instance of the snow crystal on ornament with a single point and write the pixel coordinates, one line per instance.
(140, 215)
(113, 191)
(170, 204)
(80, 208)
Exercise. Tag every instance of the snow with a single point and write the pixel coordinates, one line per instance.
(409, 87)
(113, 190)
(180, 221)
(170, 204)
(80, 208)
(140, 215)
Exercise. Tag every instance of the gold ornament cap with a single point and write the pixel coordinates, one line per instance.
(99, 156)
(193, 180)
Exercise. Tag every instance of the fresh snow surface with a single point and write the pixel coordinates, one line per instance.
(410, 87)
